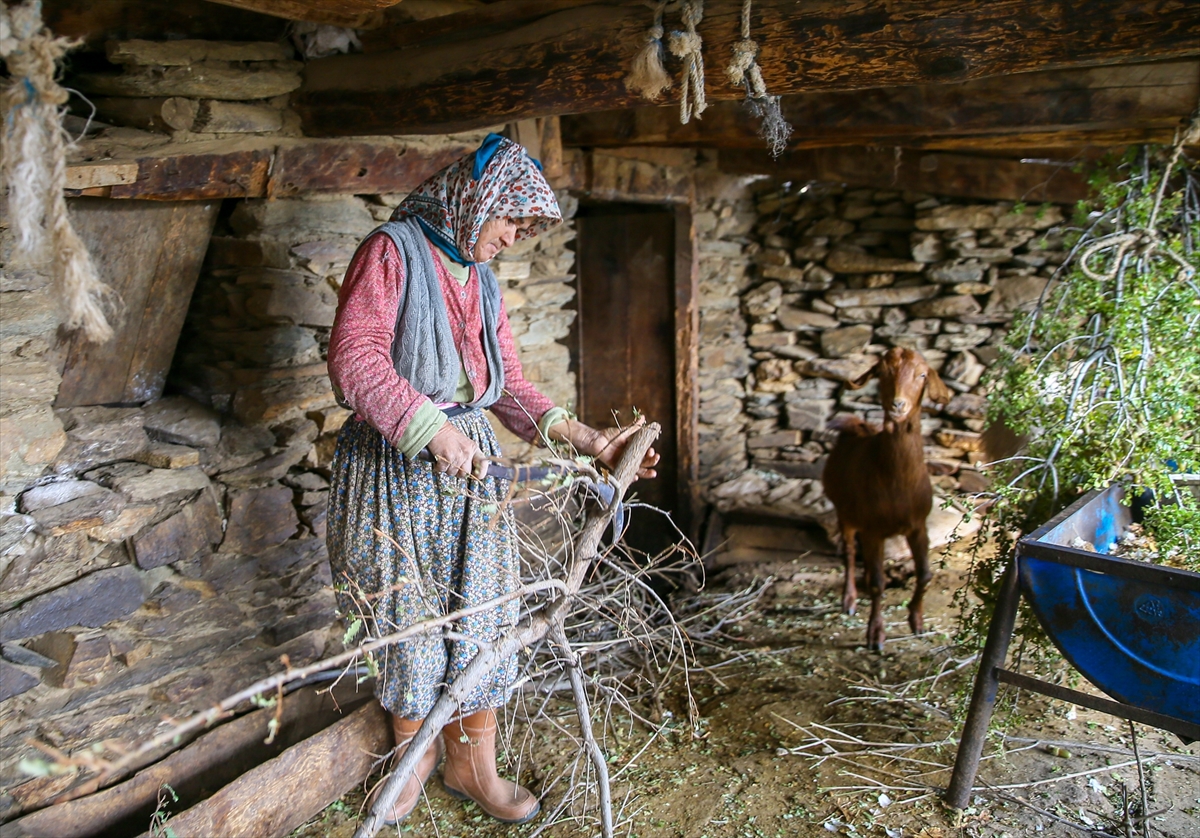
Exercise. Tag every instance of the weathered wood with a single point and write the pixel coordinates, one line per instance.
(358, 167)
(282, 794)
(1125, 100)
(573, 60)
(98, 21)
(151, 114)
(100, 173)
(217, 117)
(349, 13)
(150, 254)
(215, 759)
(179, 53)
(204, 80)
(199, 176)
(687, 368)
(945, 174)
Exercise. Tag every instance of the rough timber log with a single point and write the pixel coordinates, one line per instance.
(572, 60)
(1115, 105)
(350, 13)
(945, 174)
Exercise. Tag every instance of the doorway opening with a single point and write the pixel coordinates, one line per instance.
(631, 335)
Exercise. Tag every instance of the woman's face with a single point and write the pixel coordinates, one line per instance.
(497, 234)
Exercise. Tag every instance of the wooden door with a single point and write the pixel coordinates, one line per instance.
(627, 341)
(150, 253)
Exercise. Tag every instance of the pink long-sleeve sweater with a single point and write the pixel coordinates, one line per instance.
(360, 360)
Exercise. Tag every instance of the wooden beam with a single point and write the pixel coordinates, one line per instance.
(1115, 105)
(268, 168)
(988, 178)
(349, 13)
(98, 21)
(573, 60)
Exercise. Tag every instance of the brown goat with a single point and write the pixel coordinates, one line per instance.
(877, 482)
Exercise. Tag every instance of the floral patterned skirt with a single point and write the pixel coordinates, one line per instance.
(406, 544)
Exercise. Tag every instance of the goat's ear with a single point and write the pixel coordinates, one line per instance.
(935, 389)
(862, 380)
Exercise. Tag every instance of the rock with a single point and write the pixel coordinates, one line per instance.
(848, 369)
(927, 247)
(771, 340)
(857, 211)
(954, 271)
(830, 227)
(779, 439)
(167, 455)
(789, 275)
(54, 494)
(972, 482)
(745, 489)
(179, 420)
(283, 296)
(887, 225)
(772, 256)
(985, 216)
(28, 383)
(967, 406)
(809, 414)
(879, 280)
(1018, 293)
(99, 435)
(840, 343)
(860, 314)
(798, 353)
(315, 516)
(180, 537)
(29, 441)
(979, 288)
(91, 601)
(93, 509)
(892, 296)
(810, 253)
(14, 681)
(960, 440)
(800, 319)
(763, 300)
(131, 520)
(278, 401)
(964, 368)
(276, 346)
(259, 519)
(945, 307)
(301, 219)
(969, 338)
(18, 654)
(142, 484)
(267, 469)
(851, 262)
(330, 419)
(296, 431)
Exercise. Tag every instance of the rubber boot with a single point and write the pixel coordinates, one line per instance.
(405, 730)
(470, 772)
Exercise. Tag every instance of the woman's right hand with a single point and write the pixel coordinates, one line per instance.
(456, 454)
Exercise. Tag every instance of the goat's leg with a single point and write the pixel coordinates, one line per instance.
(918, 542)
(849, 590)
(872, 559)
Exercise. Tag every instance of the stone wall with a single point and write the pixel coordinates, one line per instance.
(841, 275)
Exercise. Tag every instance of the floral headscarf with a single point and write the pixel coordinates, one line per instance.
(498, 180)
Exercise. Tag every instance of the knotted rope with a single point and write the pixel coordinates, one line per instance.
(35, 168)
(647, 78)
(686, 47)
(1145, 242)
(743, 70)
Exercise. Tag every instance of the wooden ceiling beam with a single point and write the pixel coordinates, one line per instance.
(966, 176)
(1111, 105)
(557, 60)
(352, 14)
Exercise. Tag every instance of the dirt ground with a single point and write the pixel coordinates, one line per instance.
(803, 731)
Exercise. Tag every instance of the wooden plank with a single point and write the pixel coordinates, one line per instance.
(200, 176)
(216, 758)
(357, 167)
(182, 52)
(574, 60)
(944, 174)
(208, 80)
(352, 14)
(100, 173)
(96, 22)
(150, 254)
(280, 795)
(1125, 101)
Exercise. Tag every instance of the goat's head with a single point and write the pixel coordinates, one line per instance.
(905, 378)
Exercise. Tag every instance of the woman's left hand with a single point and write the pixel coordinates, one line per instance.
(607, 444)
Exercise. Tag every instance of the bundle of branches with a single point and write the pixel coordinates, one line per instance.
(1102, 378)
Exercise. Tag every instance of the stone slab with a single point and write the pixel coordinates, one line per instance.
(182, 421)
(259, 519)
(91, 601)
(890, 296)
(14, 681)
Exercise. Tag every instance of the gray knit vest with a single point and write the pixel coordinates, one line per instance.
(423, 351)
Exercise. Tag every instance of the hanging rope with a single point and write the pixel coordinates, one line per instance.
(686, 47)
(647, 78)
(743, 71)
(35, 168)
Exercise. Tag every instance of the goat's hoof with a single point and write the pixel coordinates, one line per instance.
(875, 638)
(917, 623)
(849, 603)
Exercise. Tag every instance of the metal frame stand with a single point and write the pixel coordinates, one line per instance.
(992, 674)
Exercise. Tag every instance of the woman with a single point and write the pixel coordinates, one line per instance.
(420, 346)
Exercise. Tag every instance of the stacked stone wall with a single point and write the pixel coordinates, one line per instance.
(840, 275)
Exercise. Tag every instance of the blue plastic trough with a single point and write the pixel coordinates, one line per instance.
(1130, 628)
